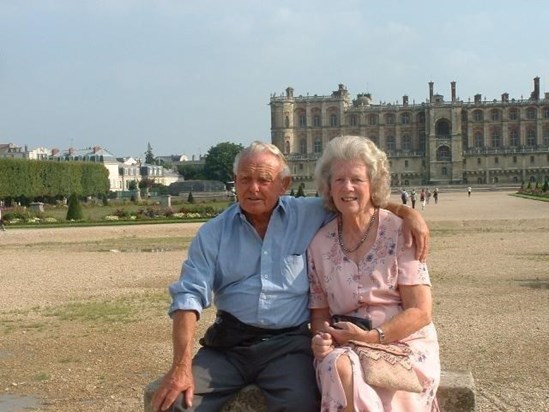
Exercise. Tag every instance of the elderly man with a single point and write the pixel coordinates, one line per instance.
(251, 260)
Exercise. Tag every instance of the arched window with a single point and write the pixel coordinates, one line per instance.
(372, 119)
(287, 121)
(531, 114)
(494, 114)
(390, 119)
(354, 120)
(316, 120)
(443, 153)
(333, 120)
(477, 115)
(421, 118)
(287, 147)
(513, 114)
(443, 128)
(405, 118)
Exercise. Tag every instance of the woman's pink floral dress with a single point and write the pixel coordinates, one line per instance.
(371, 290)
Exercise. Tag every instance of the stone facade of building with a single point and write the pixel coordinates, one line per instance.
(436, 142)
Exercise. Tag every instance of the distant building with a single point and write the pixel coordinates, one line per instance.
(11, 151)
(431, 143)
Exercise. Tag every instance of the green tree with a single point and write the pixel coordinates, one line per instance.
(219, 161)
(74, 211)
(191, 171)
(149, 156)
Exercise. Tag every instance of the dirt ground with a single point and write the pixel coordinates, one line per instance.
(83, 322)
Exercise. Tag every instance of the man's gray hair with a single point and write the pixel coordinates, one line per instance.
(262, 147)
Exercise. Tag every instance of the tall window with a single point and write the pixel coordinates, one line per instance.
(546, 137)
(443, 153)
(333, 120)
(514, 138)
(287, 147)
(531, 114)
(477, 115)
(513, 114)
(546, 112)
(354, 120)
(316, 120)
(495, 115)
(390, 143)
(372, 119)
(479, 139)
(318, 146)
(390, 119)
(406, 143)
(405, 118)
(531, 137)
(302, 120)
(303, 146)
(496, 138)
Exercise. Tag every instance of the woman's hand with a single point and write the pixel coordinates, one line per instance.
(343, 332)
(322, 345)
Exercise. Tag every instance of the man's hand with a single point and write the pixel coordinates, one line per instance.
(415, 231)
(178, 380)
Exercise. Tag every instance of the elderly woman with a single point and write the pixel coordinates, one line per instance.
(360, 266)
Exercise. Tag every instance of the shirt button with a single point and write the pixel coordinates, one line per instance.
(265, 252)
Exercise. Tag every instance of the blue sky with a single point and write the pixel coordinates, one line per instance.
(186, 75)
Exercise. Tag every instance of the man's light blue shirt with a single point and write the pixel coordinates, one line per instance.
(263, 282)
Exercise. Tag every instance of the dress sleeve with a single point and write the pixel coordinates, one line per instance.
(410, 270)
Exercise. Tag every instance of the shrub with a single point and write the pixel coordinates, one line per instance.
(75, 209)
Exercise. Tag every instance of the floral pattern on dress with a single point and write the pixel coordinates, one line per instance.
(371, 289)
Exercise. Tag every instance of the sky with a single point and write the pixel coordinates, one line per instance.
(186, 75)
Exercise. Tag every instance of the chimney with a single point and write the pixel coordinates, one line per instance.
(535, 93)
(405, 100)
(505, 98)
(96, 149)
(478, 98)
(431, 84)
(453, 86)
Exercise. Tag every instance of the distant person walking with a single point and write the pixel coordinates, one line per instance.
(469, 191)
(2, 226)
(413, 198)
(422, 198)
(435, 195)
(428, 195)
(404, 196)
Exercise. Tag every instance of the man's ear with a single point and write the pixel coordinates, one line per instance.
(286, 182)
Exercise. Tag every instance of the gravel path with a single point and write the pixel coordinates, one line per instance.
(83, 322)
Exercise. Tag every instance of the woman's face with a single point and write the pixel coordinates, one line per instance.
(350, 187)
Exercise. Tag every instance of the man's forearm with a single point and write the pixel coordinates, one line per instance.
(184, 328)
(399, 209)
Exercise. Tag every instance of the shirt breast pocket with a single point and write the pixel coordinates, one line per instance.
(294, 269)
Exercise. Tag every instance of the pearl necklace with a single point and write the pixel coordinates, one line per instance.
(361, 241)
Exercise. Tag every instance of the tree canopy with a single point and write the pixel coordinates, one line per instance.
(219, 161)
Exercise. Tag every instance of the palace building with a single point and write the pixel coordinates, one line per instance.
(437, 142)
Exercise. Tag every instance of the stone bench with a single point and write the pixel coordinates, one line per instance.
(456, 393)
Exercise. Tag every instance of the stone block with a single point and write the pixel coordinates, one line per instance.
(456, 393)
